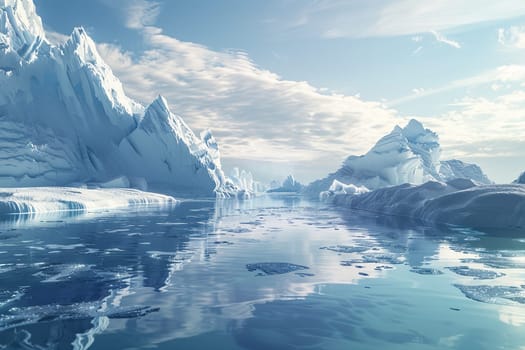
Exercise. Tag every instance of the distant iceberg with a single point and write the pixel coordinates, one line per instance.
(244, 181)
(406, 155)
(289, 185)
(520, 179)
(65, 118)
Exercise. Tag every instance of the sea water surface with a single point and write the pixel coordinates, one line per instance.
(276, 272)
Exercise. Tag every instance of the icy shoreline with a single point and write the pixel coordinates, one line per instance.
(38, 200)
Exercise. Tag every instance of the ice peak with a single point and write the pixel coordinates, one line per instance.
(160, 103)
(415, 125)
(158, 116)
(414, 131)
(21, 29)
(83, 46)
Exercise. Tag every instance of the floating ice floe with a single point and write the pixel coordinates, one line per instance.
(39, 200)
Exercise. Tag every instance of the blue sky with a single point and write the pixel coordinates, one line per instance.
(295, 86)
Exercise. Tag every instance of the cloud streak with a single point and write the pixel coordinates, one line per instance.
(337, 18)
(254, 113)
(443, 39)
(509, 74)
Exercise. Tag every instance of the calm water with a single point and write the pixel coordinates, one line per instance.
(271, 273)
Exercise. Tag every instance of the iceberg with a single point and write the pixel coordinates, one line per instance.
(457, 202)
(43, 200)
(65, 118)
(520, 179)
(289, 185)
(406, 155)
(244, 181)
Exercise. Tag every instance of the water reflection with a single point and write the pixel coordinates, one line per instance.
(183, 276)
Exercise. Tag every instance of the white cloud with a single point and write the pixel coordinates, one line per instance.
(257, 115)
(481, 124)
(510, 74)
(254, 113)
(417, 50)
(56, 38)
(141, 13)
(443, 39)
(399, 17)
(512, 37)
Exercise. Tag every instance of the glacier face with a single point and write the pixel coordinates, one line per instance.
(406, 155)
(64, 117)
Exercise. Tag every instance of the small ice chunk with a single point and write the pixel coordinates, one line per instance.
(275, 268)
(426, 271)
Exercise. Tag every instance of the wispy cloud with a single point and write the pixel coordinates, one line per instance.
(56, 38)
(417, 50)
(141, 13)
(254, 113)
(443, 39)
(513, 73)
(336, 18)
(482, 123)
(512, 37)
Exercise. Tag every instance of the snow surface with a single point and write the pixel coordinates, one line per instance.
(64, 118)
(38, 200)
(458, 202)
(289, 185)
(406, 155)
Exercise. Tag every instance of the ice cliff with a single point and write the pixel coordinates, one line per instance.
(65, 118)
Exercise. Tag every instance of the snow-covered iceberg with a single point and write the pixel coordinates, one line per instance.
(289, 185)
(458, 202)
(65, 118)
(406, 155)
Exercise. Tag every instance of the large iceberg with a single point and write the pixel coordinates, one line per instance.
(458, 202)
(406, 155)
(64, 118)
